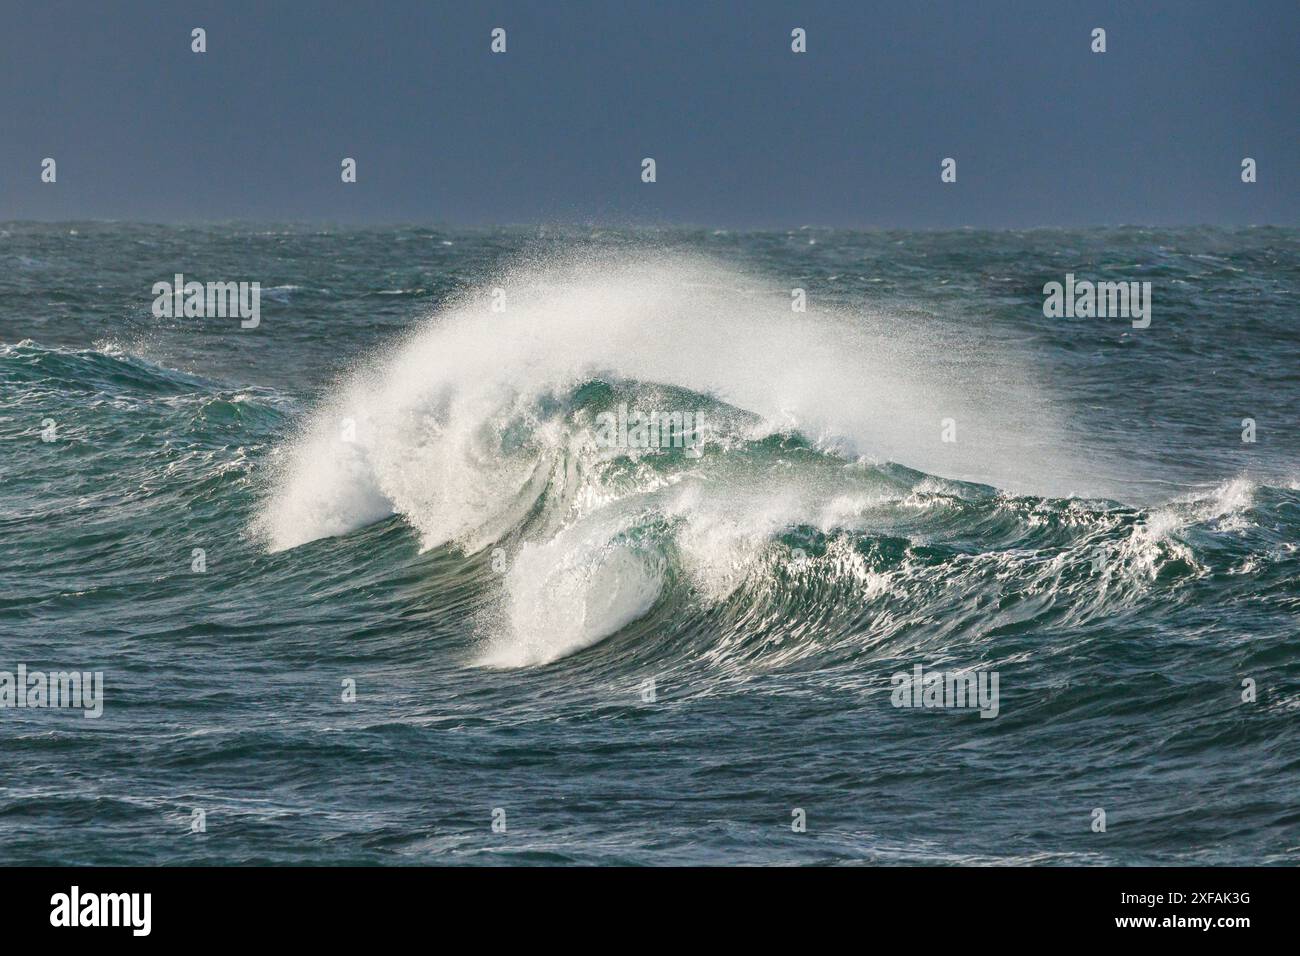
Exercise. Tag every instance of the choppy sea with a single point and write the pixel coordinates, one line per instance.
(378, 581)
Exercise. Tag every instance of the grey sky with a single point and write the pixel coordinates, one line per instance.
(745, 133)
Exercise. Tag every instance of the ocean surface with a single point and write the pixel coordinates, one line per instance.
(564, 650)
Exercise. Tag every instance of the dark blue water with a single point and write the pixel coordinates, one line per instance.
(650, 656)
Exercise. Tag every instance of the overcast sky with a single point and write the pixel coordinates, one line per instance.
(744, 132)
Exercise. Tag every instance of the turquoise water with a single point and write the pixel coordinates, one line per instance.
(649, 656)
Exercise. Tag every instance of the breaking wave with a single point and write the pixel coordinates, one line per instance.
(809, 516)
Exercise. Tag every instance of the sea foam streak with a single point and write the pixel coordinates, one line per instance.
(472, 419)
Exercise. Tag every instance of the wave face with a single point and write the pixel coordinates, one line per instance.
(649, 645)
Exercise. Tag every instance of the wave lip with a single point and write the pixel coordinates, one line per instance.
(563, 595)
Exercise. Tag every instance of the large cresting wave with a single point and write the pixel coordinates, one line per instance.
(479, 429)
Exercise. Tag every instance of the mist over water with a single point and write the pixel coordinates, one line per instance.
(866, 384)
(396, 484)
